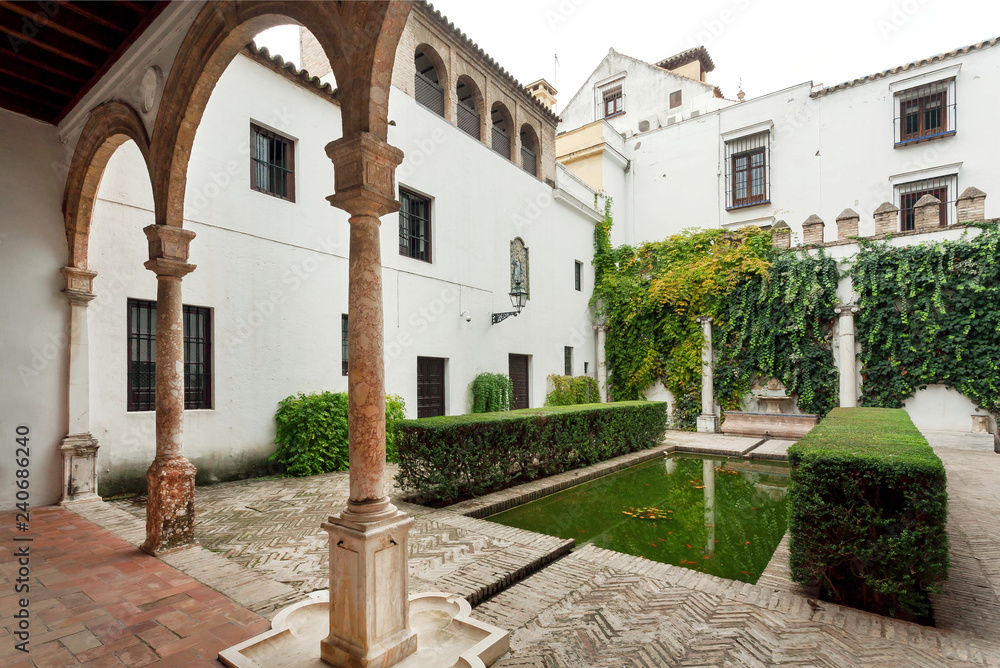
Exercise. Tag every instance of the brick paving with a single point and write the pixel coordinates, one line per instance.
(96, 600)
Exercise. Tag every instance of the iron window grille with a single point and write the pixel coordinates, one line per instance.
(612, 99)
(568, 360)
(142, 356)
(428, 94)
(944, 188)
(272, 163)
(468, 120)
(748, 173)
(925, 112)
(343, 345)
(675, 99)
(529, 162)
(578, 276)
(414, 226)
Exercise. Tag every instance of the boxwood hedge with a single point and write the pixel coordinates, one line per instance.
(868, 510)
(446, 458)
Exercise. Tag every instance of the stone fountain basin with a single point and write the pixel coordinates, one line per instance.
(447, 637)
(776, 425)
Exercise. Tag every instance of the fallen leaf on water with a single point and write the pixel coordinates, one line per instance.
(747, 543)
(653, 544)
(688, 544)
(706, 556)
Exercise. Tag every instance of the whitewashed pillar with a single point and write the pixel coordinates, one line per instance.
(708, 421)
(602, 361)
(708, 482)
(848, 358)
(79, 448)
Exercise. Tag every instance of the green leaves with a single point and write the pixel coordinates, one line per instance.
(572, 390)
(492, 392)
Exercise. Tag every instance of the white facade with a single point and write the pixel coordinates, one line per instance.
(274, 274)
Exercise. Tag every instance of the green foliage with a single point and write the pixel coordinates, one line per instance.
(868, 509)
(780, 326)
(311, 432)
(928, 314)
(448, 457)
(492, 392)
(572, 390)
(771, 313)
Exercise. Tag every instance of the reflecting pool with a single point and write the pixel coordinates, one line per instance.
(718, 516)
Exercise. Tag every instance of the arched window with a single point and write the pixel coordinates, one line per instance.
(502, 125)
(470, 103)
(529, 150)
(427, 79)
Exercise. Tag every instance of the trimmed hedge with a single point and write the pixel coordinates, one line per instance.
(572, 391)
(451, 457)
(868, 511)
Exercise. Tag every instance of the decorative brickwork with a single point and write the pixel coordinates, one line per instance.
(886, 219)
(812, 231)
(781, 235)
(971, 205)
(847, 224)
(927, 214)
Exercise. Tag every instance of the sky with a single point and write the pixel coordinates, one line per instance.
(763, 45)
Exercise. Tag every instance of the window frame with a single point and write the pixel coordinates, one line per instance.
(404, 220)
(578, 275)
(610, 90)
(344, 351)
(568, 360)
(943, 90)
(289, 172)
(745, 147)
(915, 189)
(679, 99)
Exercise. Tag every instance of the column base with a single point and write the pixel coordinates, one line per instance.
(170, 505)
(708, 424)
(79, 453)
(369, 609)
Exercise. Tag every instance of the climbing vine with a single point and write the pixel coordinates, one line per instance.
(928, 314)
(491, 393)
(772, 312)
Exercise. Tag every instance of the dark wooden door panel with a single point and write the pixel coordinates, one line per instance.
(430, 386)
(519, 376)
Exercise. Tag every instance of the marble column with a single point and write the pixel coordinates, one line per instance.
(602, 361)
(79, 448)
(708, 421)
(369, 604)
(848, 357)
(170, 478)
(708, 481)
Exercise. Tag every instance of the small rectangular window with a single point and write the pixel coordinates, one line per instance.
(272, 163)
(568, 360)
(578, 276)
(925, 112)
(343, 344)
(611, 98)
(675, 99)
(748, 176)
(908, 194)
(414, 226)
(142, 356)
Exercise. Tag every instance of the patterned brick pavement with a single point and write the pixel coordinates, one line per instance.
(96, 600)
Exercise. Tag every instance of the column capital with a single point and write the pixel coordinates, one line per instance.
(364, 175)
(79, 285)
(704, 319)
(846, 309)
(169, 247)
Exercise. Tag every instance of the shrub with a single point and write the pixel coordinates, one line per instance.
(572, 390)
(445, 458)
(492, 392)
(868, 509)
(311, 432)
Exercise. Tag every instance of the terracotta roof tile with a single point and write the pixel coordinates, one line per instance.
(687, 56)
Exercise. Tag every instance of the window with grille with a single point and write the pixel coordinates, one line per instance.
(142, 356)
(945, 188)
(343, 344)
(612, 98)
(925, 112)
(578, 276)
(748, 173)
(568, 360)
(414, 226)
(272, 163)
(675, 99)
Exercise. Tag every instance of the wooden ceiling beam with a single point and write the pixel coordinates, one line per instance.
(80, 9)
(35, 82)
(41, 19)
(17, 34)
(6, 53)
(29, 96)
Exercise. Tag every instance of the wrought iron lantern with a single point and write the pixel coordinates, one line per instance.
(518, 299)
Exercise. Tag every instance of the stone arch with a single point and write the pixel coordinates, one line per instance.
(108, 126)
(502, 121)
(359, 39)
(430, 66)
(531, 152)
(467, 93)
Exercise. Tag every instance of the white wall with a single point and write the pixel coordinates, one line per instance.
(34, 327)
(275, 273)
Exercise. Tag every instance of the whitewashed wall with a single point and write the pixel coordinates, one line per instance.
(275, 273)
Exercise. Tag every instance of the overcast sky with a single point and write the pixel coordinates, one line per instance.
(768, 44)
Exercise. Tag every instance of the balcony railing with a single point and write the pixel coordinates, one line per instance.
(468, 120)
(501, 142)
(428, 94)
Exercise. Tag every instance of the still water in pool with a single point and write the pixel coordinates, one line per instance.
(717, 516)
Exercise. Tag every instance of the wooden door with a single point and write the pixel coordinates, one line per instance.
(519, 376)
(430, 386)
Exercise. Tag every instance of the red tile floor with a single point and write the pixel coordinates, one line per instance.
(96, 600)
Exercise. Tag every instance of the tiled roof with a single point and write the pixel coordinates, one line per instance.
(486, 58)
(908, 66)
(687, 56)
(289, 71)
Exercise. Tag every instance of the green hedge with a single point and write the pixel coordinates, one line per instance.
(572, 391)
(445, 458)
(868, 510)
